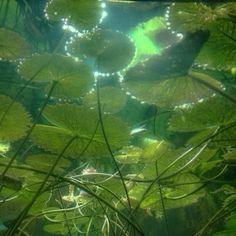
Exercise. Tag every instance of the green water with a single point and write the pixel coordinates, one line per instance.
(117, 118)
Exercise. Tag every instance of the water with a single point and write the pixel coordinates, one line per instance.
(117, 118)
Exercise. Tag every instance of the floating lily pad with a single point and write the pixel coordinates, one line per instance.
(182, 188)
(9, 15)
(129, 154)
(80, 122)
(14, 120)
(111, 51)
(148, 86)
(112, 99)
(219, 52)
(213, 112)
(225, 137)
(164, 159)
(84, 14)
(74, 78)
(12, 45)
(190, 16)
(45, 162)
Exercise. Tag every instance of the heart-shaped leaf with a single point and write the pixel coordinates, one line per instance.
(73, 78)
(82, 124)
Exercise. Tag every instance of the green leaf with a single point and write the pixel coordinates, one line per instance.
(14, 120)
(230, 227)
(151, 199)
(12, 45)
(224, 137)
(9, 15)
(167, 92)
(191, 16)
(83, 14)
(112, 51)
(213, 112)
(74, 78)
(60, 229)
(129, 154)
(70, 121)
(219, 52)
(230, 156)
(182, 185)
(46, 161)
(112, 99)
(166, 155)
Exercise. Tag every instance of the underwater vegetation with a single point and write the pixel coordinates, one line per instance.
(108, 128)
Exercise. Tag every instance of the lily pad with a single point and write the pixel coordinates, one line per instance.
(225, 137)
(111, 51)
(12, 45)
(219, 52)
(129, 154)
(9, 15)
(213, 112)
(73, 78)
(148, 86)
(190, 16)
(46, 161)
(14, 120)
(84, 14)
(80, 123)
(112, 99)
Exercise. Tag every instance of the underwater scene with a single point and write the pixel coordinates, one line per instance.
(117, 118)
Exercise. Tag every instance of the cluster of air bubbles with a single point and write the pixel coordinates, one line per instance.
(71, 28)
(121, 80)
(184, 106)
(68, 27)
(63, 100)
(168, 24)
(104, 13)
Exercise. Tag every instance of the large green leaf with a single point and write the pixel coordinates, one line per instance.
(45, 162)
(146, 85)
(112, 99)
(74, 78)
(192, 16)
(9, 15)
(12, 45)
(70, 121)
(230, 227)
(112, 51)
(182, 184)
(225, 137)
(210, 113)
(164, 160)
(219, 51)
(84, 14)
(14, 120)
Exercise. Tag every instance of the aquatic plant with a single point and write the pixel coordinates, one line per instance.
(117, 132)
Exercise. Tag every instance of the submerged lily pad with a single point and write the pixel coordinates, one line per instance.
(111, 51)
(82, 124)
(149, 86)
(9, 15)
(213, 112)
(45, 162)
(190, 16)
(14, 120)
(12, 45)
(219, 52)
(85, 14)
(74, 78)
(112, 99)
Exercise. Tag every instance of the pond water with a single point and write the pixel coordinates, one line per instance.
(117, 118)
